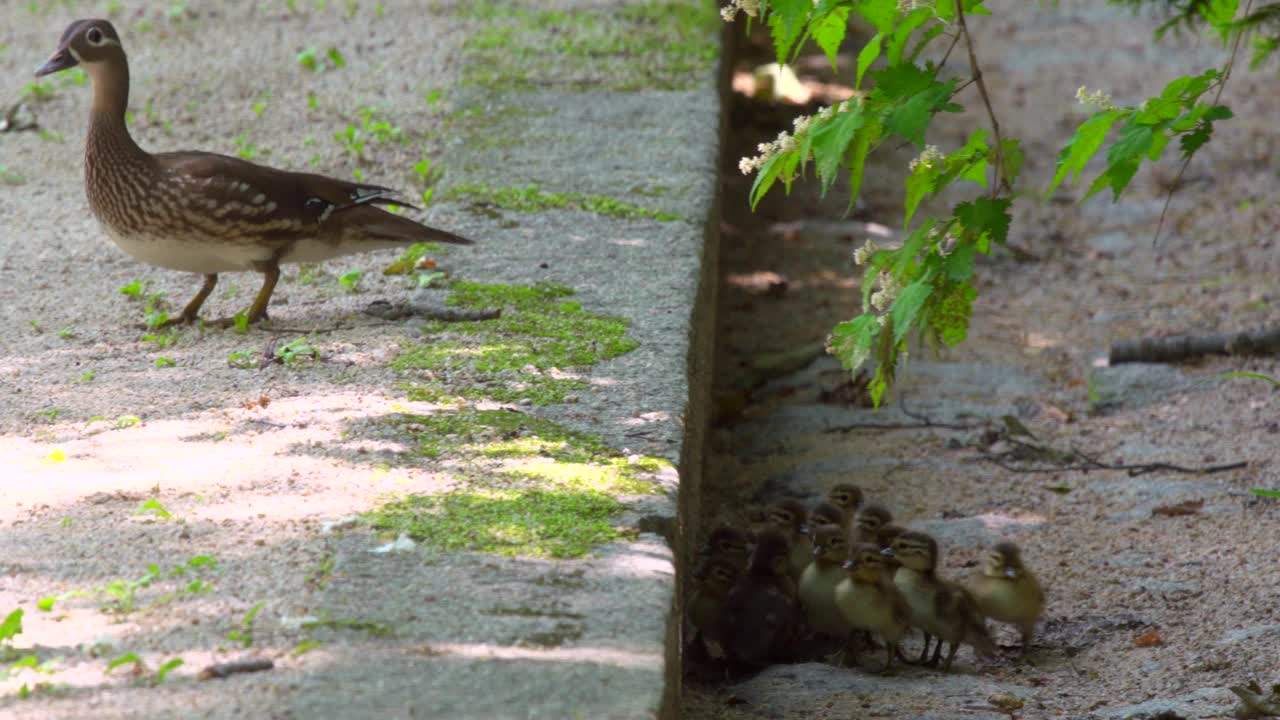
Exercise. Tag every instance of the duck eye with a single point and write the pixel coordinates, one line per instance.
(94, 36)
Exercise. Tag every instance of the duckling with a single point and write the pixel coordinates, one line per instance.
(789, 517)
(726, 543)
(706, 605)
(884, 538)
(938, 607)
(1007, 592)
(867, 526)
(819, 580)
(870, 604)
(848, 498)
(827, 513)
(758, 625)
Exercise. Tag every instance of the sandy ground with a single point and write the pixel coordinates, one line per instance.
(1142, 607)
(247, 465)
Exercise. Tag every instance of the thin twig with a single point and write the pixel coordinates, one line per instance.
(1090, 463)
(954, 39)
(1001, 182)
(1222, 85)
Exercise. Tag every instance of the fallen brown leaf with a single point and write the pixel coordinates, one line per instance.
(1150, 638)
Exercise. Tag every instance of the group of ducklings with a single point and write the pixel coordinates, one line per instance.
(835, 575)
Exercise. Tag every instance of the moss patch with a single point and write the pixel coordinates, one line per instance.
(532, 199)
(526, 354)
(533, 487)
(526, 521)
(664, 44)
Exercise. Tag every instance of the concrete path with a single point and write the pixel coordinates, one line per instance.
(421, 519)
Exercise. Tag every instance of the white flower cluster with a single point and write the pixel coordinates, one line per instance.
(889, 286)
(864, 253)
(787, 140)
(927, 158)
(1096, 99)
(730, 11)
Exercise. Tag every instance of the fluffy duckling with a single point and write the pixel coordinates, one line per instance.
(727, 543)
(870, 604)
(939, 608)
(819, 580)
(866, 528)
(789, 517)
(706, 605)
(848, 498)
(826, 513)
(758, 625)
(1007, 592)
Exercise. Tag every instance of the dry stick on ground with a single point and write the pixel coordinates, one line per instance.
(1090, 463)
(1184, 347)
(924, 422)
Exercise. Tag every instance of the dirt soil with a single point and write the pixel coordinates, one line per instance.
(1161, 585)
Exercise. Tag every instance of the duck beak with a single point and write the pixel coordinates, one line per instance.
(817, 551)
(60, 61)
(1010, 572)
(887, 552)
(849, 565)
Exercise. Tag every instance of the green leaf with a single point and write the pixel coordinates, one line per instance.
(866, 56)
(1220, 14)
(907, 306)
(910, 250)
(1083, 146)
(1011, 151)
(12, 625)
(1116, 177)
(829, 30)
(851, 340)
(1265, 493)
(164, 669)
(787, 21)
(882, 14)
(765, 177)
(1134, 142)
(1249, 376)
(831, 142)
(986, 217)
(124, 659)
(950, 313)
(862, 141)
(902, 33)
(959, 264)
(919, 184)
(910, 118)
(901, 81)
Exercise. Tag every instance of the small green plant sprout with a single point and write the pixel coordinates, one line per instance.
(414, 258)
(311, 59)
(351, 281)
(36, 92)
(166, 668)
(153, 506)
(244, 634)
(87, 377)
(313, 103)
(127, 421)
(68, 332)
(10, 628)
(245, 147)
(139, 667)
(243, 360)
(260, 106)
(119, 597)
(164, 362)
(162, 340)
(305, 647)
(11, 177)
(297, 351)
(35, 325)
(240, 322)
(48, 415)
(431, 97)
(133, 289)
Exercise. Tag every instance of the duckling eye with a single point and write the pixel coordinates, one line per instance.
(94, 36)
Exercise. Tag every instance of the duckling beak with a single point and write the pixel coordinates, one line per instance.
(887, 552)
(817, 551)
(61, 60)
(849, 565)
(1010, 572)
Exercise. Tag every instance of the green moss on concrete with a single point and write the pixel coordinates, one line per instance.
(658, 44)
(533, 487)
(515, 521)
(526, 354)
(532, 199)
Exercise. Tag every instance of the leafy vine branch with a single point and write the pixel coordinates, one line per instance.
(925, 287)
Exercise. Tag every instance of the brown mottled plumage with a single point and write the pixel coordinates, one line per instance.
(760, 613)
(1007, 592)
(870, 602)
(866, 528)
(205, 213)
(848, 498)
